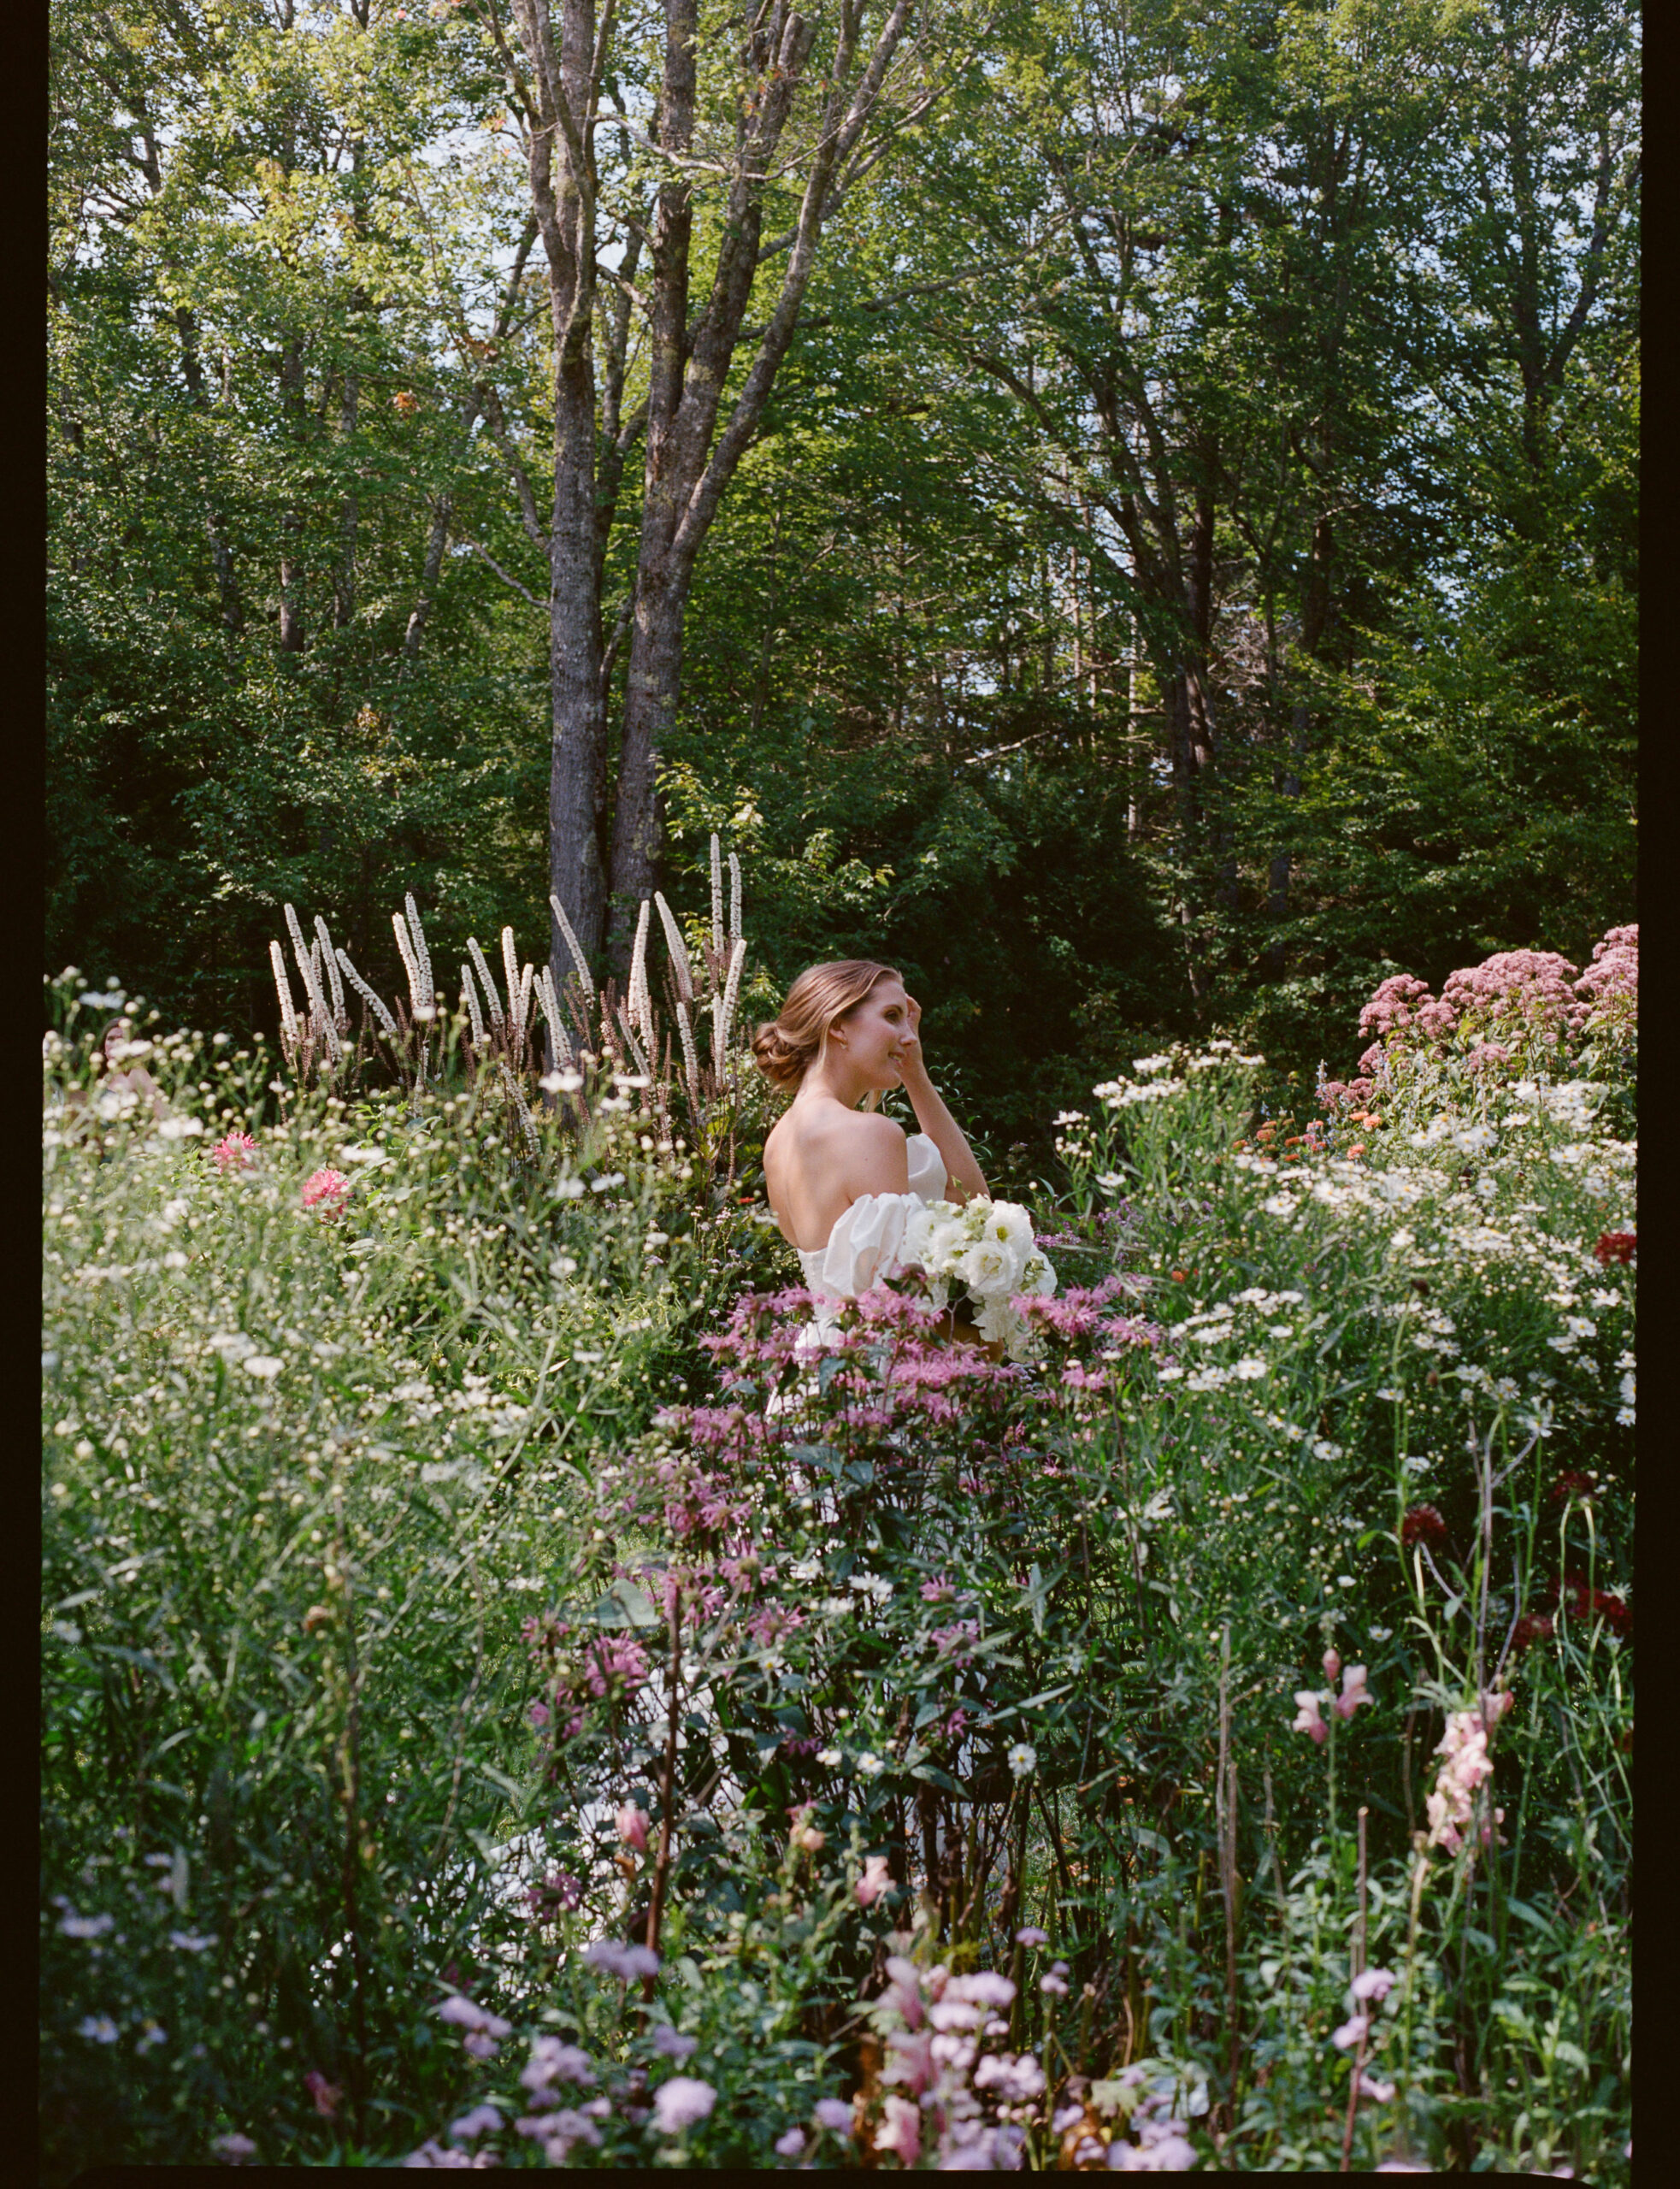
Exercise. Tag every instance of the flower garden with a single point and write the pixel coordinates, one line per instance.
(505, 1706)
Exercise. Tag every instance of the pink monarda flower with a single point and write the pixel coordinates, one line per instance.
(235, 1151)
(633, 1823)
(1308, 1718)
(324, 1191)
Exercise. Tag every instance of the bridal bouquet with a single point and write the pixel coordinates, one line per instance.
(985, 1249)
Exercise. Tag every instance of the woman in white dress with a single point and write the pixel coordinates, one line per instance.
(843, 1182)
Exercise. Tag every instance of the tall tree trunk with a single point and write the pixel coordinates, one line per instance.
(292, 521)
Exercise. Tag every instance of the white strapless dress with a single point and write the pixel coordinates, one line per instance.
(866, 1245)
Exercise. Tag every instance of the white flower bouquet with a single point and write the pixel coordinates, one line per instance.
(986, 1250)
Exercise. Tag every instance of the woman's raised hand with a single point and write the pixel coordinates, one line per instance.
(910, 1041)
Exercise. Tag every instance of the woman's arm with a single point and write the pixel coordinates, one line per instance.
(964, 1176)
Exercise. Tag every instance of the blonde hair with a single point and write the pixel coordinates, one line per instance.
(786, 1046)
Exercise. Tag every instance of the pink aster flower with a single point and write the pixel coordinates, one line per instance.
(235, 1151)
(324, 1191)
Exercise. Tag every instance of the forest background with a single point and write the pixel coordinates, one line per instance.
(1181, 569)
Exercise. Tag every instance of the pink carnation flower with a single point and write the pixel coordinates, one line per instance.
(235, 1151)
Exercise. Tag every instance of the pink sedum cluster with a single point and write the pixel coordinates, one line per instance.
(1519, 991)
(1514, 997)
(1610, 985)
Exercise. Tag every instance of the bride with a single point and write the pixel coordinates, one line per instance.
(843, 1182)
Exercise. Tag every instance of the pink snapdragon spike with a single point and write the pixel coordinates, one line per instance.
(325, 1191)
(235, 1151)
(1308, 1719)
(632, 1824)
(1332, 1666)
(900, 2131)
(875, 1880)
(1354, 1692)
(324, 2095)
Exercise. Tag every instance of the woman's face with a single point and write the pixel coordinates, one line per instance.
(875, 1032)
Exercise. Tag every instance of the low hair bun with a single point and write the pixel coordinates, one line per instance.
(781, 1063)
(787, 1046)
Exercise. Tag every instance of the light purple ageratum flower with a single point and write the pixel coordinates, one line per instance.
(625, 1962)
(835, 2113)
(672, 2042)
(481, 2121)
(682, 2102)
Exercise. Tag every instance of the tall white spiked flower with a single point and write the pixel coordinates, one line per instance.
(510, 968)
(519, 1104)
(551, 1010)
(417, 995)
(574, 946)
(300, 949)
(491, 998)
(329, 959)
(283, 986)
(716, 893)
(734, 897)
(388, 1024)
(307, 966)
(731, 994)
(679, 949)
(641, 1004)
(638, 1056)
(424, 1006)
(469, 997)
(691, 1061)
(527, 981)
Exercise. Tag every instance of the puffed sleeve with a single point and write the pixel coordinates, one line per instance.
(927, 1177)
(867, 1243)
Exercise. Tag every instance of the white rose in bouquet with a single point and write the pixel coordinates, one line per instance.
(987, 1248)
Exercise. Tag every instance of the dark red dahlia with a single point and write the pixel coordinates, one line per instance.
(1616, 1246)
(1533, 1626)
(1571, 1484)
